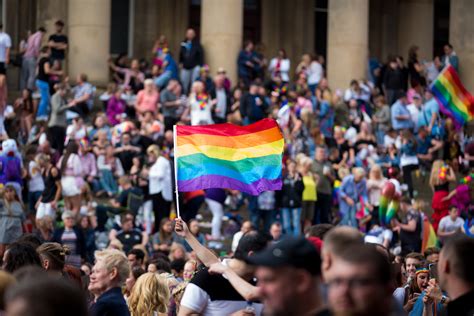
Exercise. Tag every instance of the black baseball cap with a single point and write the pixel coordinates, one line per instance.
(296, 252)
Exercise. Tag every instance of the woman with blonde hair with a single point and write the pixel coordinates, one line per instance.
(310, 181)
(375, 184)
(177, 251)
(441, 175)
(150, 296)
(11, 217)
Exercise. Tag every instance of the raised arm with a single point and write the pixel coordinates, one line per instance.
(206, 256)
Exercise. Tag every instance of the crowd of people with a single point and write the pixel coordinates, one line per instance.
(87, 212)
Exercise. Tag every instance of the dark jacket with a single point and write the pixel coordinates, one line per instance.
(243, 69)
(80, 242)
(110, 303)
(394, 79)
(89, 242)
(291, 193)
(250, 110)
(192, 57)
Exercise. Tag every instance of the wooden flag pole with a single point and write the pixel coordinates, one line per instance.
(175, 151)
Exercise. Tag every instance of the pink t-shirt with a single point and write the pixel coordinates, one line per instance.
(147, 101)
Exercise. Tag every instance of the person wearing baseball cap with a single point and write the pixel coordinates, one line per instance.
(289, 278)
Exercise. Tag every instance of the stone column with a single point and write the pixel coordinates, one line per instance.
(221, 34)
(416, 27)
(49, 11)
(89, 39)
(289, 25)
(461, 36)
(348, 33)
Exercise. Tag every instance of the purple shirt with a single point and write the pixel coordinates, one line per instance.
(115, 107)
(217, 195)
(10, 169)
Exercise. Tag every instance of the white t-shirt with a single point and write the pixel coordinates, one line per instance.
(406, 160)
(284, 68)
(72, 133)
(5, 42)
(447, 225)
(314, 72)
(36, 183)
(160, 178)
(200, 113)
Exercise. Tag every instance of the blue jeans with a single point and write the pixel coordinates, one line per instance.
(43, 107)
(291, 220)
(349, 218)
(312, 88)
(107, 181)
(380, 136)
(267, 216)
(188, 76)
(163, 79)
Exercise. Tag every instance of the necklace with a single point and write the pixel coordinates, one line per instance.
(202, 98)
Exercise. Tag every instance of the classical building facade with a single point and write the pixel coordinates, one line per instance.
(346, 32)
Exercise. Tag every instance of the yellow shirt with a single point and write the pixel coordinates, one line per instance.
(309, 192)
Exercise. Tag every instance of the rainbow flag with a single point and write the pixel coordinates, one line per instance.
(454, 100)
(429, 238)
(244, 158)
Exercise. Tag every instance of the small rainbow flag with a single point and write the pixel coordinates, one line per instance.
(454, 100)
(244, 158)
(429, 238)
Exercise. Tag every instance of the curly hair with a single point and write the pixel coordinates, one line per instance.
(149, 295)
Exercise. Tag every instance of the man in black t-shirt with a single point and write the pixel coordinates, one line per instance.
(125, 151)
(58, 42)
(130, 236)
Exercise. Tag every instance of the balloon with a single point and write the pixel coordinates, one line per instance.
(387, 208)
(392, 209)
(383, 207)
(388, 189)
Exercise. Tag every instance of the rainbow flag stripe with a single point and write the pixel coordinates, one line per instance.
(429, 238)
(454, 100)
(244, 158)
